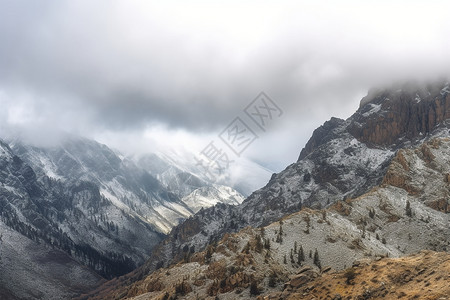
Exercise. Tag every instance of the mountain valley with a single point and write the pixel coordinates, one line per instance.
(366, 193)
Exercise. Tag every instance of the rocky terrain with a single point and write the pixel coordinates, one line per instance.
(367, 184)
(420, 276)
(406, 213)
(375, 185)
(87, 204)
(337, 163)
(151, 189)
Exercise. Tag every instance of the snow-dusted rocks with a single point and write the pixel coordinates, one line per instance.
(343, 159)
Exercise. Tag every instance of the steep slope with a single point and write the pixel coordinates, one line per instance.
(29, 270)
(129, 188)
(72, 216)
(176, 179)
(407, 213)
(421, 276)
(151, 189)
(177, 169)
(337, 163)
(86, 200)
(195, 192)
(208, 196)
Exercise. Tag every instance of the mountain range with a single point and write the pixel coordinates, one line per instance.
(373, 186)
(91, 206)
(382, 176)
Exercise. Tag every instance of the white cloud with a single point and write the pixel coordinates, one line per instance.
(179, 71)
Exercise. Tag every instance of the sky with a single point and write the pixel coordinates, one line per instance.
(145, 76)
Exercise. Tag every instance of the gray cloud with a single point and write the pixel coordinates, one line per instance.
(124, 66)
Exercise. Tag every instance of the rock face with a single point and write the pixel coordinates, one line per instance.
(320, 136)
(71, 216)
(102, 210)
(405, 114)
(343, 159)
(387, 221)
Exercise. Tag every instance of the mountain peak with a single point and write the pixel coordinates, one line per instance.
(412, 90)
(390, 116)
(411, 111)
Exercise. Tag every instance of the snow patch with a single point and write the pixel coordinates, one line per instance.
(417, 99)
(375, 108)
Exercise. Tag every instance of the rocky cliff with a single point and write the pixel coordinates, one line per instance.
(302, 251)
(343, 159)
(401, 114)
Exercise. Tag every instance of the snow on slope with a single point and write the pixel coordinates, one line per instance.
(349, 233)
(243, 175)
(149, 188)
(208, 196)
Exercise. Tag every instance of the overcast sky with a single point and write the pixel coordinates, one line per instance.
(147, 75)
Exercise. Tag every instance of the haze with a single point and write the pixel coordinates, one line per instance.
(144, 76)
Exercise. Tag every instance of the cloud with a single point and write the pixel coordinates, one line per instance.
(103, 67)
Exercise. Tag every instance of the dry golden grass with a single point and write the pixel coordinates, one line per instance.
(422, 276)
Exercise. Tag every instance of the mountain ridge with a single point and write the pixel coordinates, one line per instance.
(333, 166)
(84, 199)
(380, 223)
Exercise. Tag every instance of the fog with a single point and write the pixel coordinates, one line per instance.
(143, 76)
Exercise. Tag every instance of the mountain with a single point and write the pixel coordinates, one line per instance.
(150, 188)
(72, 216)
(89, 206)
(408, 212)
(209, 196)
(175, 168)
(127, 186)
(343, 160)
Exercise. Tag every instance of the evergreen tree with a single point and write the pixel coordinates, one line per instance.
(267, 244)
(408, 209)
(317, 259)
(300, 255)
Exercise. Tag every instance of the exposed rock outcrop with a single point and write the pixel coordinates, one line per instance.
(410, 112)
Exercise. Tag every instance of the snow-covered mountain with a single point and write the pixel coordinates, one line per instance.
(73, 216)
(149, 188)
(343, 159)
(100, 208)
(83, 189)
(175, 169)
(208, 196)
(407, 213)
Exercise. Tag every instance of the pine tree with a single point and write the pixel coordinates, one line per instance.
(267, 244)
(301, 255)
(408, 209)
(372, 213)
(317, 259)
(273, 279)
(259, 245)
(208, 254)
(254, 289)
